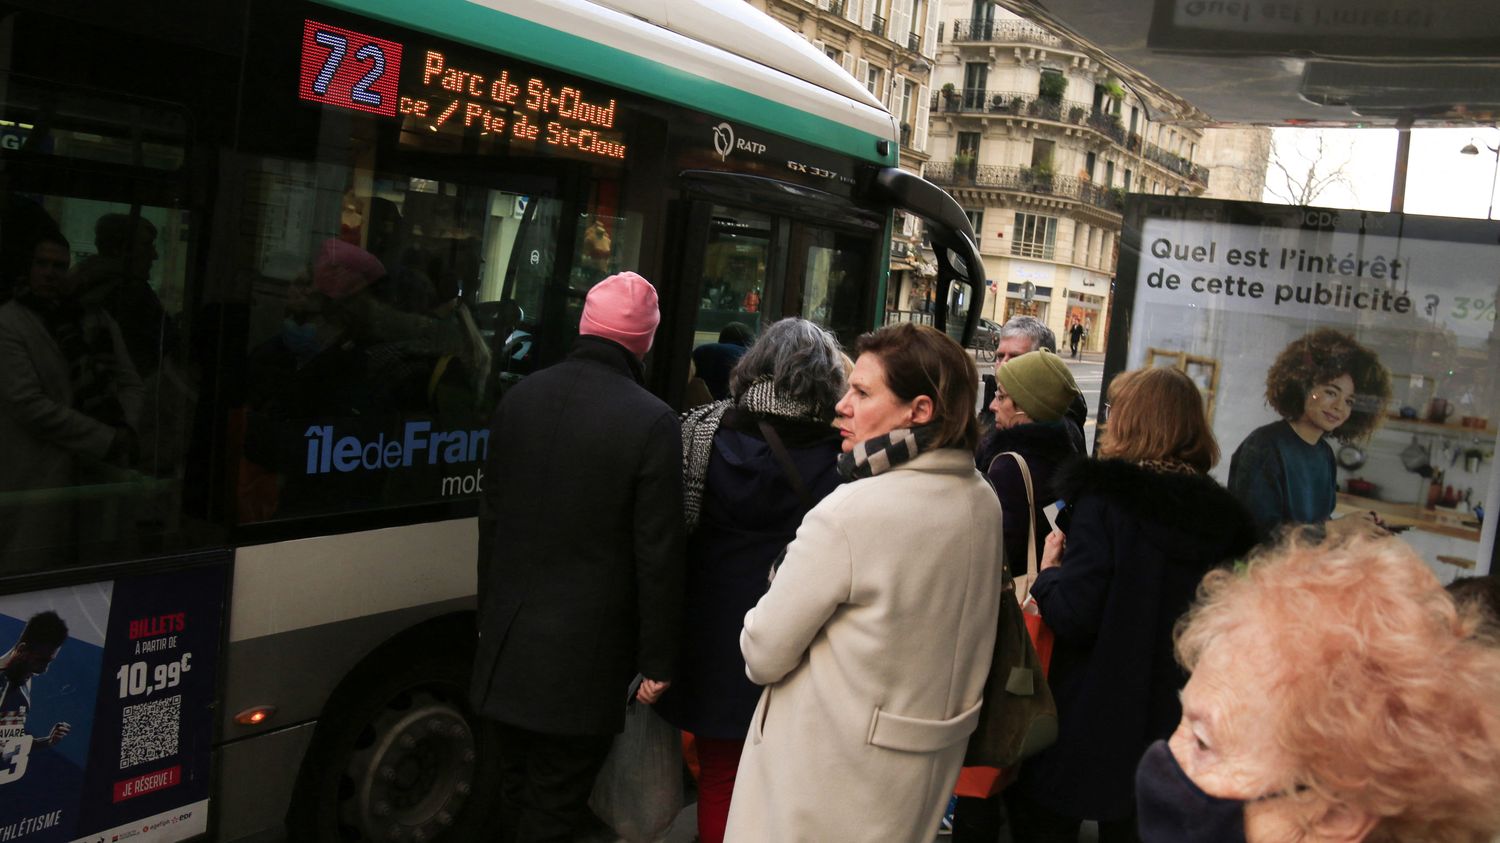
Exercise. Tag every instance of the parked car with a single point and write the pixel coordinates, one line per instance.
(986, 337)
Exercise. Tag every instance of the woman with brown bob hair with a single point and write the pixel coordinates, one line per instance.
(1338, 695)
(1322, 385)
(875, 637)
(1141, 527)
(1151, 419)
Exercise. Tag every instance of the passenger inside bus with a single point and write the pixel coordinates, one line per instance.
(70, 402)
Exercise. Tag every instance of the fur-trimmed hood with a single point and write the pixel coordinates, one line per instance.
(1174, 509)
(1051, 441)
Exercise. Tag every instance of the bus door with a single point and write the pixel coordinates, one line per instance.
(746, 264)
(829, 278)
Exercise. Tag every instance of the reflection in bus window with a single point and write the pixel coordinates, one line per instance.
(734, 272)
(83, 125)
(386, 325)
(96, 391)
(365, 354)
(832, 293)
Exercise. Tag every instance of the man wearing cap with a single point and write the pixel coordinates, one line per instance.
(580, 562)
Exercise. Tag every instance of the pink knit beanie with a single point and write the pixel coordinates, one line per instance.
(343, 269)
(622, 308)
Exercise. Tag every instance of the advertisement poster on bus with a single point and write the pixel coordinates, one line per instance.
(106, 708)
(1348, 360)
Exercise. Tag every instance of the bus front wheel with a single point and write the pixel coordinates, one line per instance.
(399, 756)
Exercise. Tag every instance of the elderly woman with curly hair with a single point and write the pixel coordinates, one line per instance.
(753, 465)
(1338, 694)
(1324, 384)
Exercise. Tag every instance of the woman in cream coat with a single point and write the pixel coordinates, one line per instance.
(874, 640)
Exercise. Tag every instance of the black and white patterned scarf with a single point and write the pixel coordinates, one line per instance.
(701, 423)
(880, 454)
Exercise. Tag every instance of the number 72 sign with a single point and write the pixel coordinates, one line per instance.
(348, 69)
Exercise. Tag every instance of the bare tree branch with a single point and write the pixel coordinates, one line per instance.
(1324, 170)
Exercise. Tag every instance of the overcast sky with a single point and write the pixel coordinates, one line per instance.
(1440, 180)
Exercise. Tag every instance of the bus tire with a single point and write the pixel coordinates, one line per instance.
(399, 755)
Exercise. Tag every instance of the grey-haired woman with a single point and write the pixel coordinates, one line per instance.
(753, 465)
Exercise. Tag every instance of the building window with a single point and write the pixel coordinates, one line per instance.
(872, 81)
(838, 57)
(1041, 154)
(968, 144)
(976, 76)
(1127, 181)
(1089, 161)
(1035, 236)
(1109, 174)
(976, 220)
(908, 97)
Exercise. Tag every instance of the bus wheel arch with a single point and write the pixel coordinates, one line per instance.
(398, 753)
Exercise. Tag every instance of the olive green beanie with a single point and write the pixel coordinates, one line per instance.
(1040, 384)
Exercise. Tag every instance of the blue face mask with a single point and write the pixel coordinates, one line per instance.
(301, 339)
(1171, 809)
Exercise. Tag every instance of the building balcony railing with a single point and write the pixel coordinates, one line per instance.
(975, 100)
(877, 25)
(1108, 125)
(1024, 180)
(1005, 31)
(914, 42)
(1175, 163)
(1045, 251)
(836, 8)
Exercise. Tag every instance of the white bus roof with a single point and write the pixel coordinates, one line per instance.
(722, 57)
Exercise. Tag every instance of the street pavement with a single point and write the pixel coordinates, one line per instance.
(1088, 371)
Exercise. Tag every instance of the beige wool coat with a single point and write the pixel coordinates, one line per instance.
(873, 643)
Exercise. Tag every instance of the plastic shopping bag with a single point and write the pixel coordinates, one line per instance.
(639, 790)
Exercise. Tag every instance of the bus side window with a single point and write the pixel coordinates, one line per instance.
(99, 391)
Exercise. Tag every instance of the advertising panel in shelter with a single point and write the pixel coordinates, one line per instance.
(1347, 359)
(106, 708)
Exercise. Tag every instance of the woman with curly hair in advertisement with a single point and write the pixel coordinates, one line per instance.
(1324, 384)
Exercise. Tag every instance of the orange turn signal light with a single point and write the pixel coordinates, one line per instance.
(255, 716)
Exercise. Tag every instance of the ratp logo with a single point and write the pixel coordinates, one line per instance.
(723, 140)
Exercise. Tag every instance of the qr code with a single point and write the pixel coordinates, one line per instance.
(149, 731)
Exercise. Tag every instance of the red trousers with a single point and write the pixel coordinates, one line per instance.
(718, 761)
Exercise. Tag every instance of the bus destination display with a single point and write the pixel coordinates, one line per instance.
(348, 69)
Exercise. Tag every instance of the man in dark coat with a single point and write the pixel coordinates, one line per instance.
(580, 561)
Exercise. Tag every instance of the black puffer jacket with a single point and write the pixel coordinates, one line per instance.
(1139, 541)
